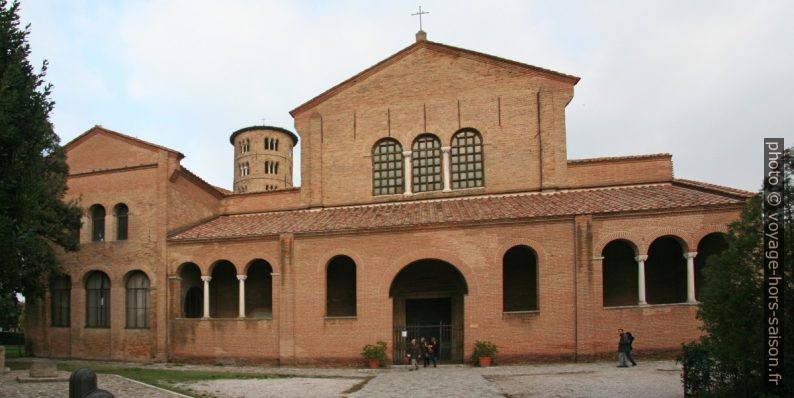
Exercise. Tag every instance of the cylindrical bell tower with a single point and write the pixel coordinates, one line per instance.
(262, 158)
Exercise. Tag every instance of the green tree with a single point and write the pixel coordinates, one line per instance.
(730, 359)
(35, 221)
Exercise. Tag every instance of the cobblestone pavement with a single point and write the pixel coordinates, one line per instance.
(596, 379)
(119, 386)
(446, 381)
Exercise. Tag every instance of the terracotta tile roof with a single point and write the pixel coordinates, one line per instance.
(457, 211)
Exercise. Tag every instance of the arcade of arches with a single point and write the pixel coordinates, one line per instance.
(667, 274)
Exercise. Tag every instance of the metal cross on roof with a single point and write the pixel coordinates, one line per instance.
(420, 16)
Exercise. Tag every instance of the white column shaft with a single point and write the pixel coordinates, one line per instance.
(690, 277)
(408, 174)
(206, 280)
(446, 165)
(241, 306)
(641, 279)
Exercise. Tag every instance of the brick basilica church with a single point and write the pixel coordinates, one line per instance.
(436, 200)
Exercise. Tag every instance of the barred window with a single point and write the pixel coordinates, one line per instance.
(122, 213)
(467, 164)
(387, 167)
(138, 301)
(60, 300)
(426, 163)
(97, 303)
(97, 223)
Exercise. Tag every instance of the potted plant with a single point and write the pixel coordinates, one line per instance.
(484, 352)
(375, 354)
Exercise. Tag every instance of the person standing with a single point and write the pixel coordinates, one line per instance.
(425, 351)
(623, 347)
(630, 340)
(413, 351)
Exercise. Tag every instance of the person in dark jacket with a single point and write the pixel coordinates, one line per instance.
(432, 348)
(630, 339)
(425, 351)
(623, 348)
(413, 351)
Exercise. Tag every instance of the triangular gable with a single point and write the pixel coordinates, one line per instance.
(455, 51)
(97, 129)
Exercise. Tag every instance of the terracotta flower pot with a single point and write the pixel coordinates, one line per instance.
(373, 364)
(485, 362)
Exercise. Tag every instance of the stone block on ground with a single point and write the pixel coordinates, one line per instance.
(43, 369)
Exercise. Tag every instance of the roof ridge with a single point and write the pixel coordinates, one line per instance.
(628, 157)
(714, 187)
(125, 136)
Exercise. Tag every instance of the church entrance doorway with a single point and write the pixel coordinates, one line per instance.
(428, 302)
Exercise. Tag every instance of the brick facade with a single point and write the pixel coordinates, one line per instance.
(566, 211)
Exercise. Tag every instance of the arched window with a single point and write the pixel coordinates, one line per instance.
(711, 245)
(426, 163)
(276, 147)
(138, 301)
(387, 167)
(665, 272)
(520, 279)
(275, 170)
(619, 273)
(245, 145)
(192, 290)
(122, 213)
(224, 290)
(259, 290)
(244, 169)
(97, 303)
(466, 159)
(97, 223)
(341, 287)
(60, 300)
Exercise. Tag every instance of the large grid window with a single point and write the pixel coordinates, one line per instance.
(97, 303)
(138, 301)
(387, 168)
(426, 163)
(60, 300)
(122, 213)
(467, 170)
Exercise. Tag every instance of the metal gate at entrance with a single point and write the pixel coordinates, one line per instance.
(450, 338)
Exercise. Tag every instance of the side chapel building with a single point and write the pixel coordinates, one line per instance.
(437, 200)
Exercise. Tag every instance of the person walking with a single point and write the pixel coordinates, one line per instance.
(413, 351)
(436, 350)
(431, 351)
(630, 340)
(623, 348)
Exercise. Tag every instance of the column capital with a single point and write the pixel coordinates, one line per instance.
(241, 277)
(407, 153)
(206, 278)
(690, 255)
(446, 149)
(641, 257)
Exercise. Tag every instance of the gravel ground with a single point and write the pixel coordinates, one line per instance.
(597, 379)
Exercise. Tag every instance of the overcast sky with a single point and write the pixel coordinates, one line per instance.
(702, 80)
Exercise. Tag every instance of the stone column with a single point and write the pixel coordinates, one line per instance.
(446, 165)
(641, 279)
(206, 280)
(408, 174)
(690, 277)
(241, 306)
